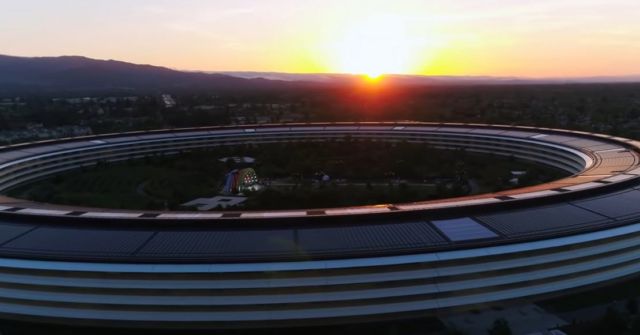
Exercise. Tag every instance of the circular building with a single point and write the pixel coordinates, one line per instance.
(106, 267)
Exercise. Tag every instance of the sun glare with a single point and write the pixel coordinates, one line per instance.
(373, 76)
(373, 47)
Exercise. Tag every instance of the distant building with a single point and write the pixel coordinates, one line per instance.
(168, 101)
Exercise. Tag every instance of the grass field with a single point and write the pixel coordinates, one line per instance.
(362, 173)
(156, 183)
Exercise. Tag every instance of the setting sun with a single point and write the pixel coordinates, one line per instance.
(373, 76)
(374, 46)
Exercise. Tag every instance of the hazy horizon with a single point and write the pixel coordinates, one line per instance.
(277, 74)
(546, 39)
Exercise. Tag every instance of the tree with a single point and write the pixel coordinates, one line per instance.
(632, 306)
(455, 331)
(635, 327)
(500, 327)
(613, 322)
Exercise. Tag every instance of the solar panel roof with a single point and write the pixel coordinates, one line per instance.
(463, 229)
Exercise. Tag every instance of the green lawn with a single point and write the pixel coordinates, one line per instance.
(144, 184)
(361, 173)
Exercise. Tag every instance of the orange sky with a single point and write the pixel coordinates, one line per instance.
(542, 38)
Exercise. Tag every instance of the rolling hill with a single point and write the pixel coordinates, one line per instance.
(73, 73)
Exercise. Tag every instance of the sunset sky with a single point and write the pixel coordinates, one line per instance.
(559, 38)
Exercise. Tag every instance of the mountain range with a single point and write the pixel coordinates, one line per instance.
(76, 73)
(433, 80)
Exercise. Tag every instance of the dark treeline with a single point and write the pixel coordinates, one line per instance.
(607, 108)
